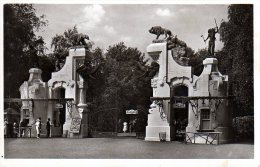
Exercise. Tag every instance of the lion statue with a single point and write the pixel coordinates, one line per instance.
(158, 30)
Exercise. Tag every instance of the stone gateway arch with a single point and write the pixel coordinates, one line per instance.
(176, 90)
(196, 107)
(61, 99)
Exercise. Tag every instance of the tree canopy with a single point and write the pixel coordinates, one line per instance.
(122, 82)
(22, 47)
(126, 85)
(237, 55)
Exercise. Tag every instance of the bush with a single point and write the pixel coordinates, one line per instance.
(244, 127)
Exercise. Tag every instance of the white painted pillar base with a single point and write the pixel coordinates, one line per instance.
(152, 133)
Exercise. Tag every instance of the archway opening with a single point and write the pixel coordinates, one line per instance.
(179, 112)
(59, 114)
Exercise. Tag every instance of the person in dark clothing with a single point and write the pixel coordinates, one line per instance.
(22, 126)
(40, 126)
(5, 127)
(48, 127)
(15, 129)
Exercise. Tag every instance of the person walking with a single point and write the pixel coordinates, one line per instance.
(22, 128)
(48, 127)
(124, 127)
(40, 126)
(5, 127)
(37, 126)
(15, 129)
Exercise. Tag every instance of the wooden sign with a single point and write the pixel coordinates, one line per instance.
(58, 105)
(131, 111)
(75, 125)
(179, 105)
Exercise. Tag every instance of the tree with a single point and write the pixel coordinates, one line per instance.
(126, 86)
(196, 61)
(237, 55)
(21, 45)
(62, 43)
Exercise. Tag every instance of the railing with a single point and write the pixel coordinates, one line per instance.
(207, 136)
(24, 130)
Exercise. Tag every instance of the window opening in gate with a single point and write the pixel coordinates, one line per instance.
(59, 113)
(179, 115)
(205, 119)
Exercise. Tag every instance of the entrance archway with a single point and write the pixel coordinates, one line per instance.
(179, 112)
(59, 113)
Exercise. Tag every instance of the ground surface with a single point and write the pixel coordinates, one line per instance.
(121, 148)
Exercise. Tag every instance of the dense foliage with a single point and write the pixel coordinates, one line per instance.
(237, 56)
(126, 85)
(23, 49)
(121, 82)
(196, 61)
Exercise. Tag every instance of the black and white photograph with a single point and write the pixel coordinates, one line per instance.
(130, 83)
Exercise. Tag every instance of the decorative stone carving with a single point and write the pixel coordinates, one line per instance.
(57, 84)
(178, 50)
(162, 81)
(71, 84)
(154, 83)
(82, 84)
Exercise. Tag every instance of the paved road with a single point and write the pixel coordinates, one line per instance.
(121, 148)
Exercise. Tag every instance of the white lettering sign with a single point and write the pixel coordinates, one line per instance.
(131, 111)
(179, 105)
(58, 105)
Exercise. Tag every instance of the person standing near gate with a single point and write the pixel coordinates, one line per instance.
(40, 127)
(37, 126)
(5, 127)
(124, 127)
(48, 127)
(15, 129)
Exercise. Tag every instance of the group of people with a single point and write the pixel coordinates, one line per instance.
(131, 127)
(20, 129)
(10, 129)
(38, 127)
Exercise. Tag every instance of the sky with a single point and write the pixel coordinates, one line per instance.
(109, 24)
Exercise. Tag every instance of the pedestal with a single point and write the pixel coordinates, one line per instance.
(157, 123)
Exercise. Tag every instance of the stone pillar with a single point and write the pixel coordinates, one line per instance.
(82, 108)
(157, 122)
(157, 119)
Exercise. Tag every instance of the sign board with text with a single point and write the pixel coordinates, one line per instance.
(58, 105)
(179, 105)
(131, 111)
(75, 125)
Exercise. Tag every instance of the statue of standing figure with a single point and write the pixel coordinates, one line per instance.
(211, 36)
